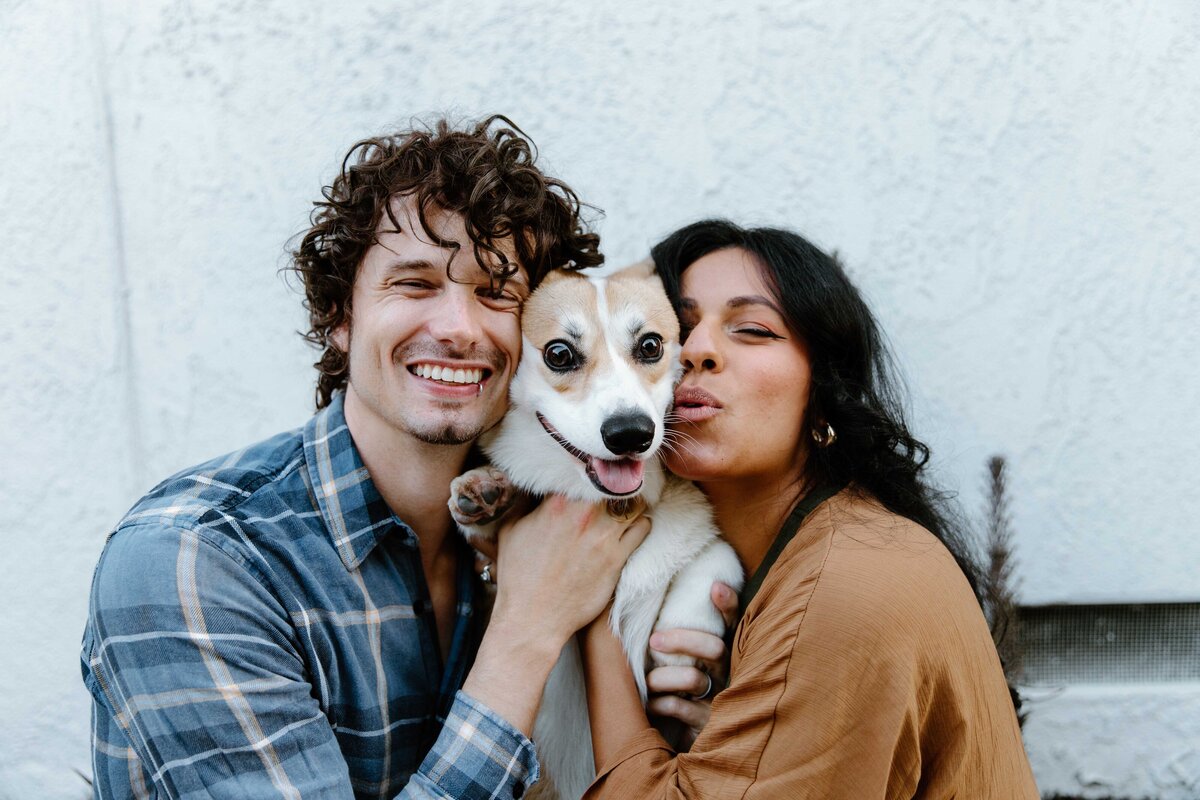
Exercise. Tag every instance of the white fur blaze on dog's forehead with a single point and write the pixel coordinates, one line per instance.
(635, 305)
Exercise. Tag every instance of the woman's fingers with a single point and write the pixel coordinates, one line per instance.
(693, 713)
(703, 647)
(685, 680)
(726, 601)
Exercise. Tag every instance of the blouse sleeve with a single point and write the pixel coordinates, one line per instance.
(835, 683)
(729, 759)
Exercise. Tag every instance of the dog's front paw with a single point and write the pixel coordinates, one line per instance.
(481, 496)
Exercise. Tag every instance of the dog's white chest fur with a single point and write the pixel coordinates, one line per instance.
(587, 420)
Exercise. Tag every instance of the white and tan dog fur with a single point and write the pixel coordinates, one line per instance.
(588, 406)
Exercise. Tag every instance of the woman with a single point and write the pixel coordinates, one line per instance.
(862, 666)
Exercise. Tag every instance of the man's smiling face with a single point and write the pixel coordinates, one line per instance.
(431, 346)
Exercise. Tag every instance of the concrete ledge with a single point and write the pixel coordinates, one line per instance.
(1115, 740)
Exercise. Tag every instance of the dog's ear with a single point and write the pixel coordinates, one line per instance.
(639, 271)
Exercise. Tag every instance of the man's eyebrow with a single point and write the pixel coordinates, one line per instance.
(410, 265)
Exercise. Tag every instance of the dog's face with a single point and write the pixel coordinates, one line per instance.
(599, 362)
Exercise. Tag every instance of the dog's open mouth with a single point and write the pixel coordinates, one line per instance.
(617, 477)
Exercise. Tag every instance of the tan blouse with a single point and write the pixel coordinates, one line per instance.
(862, 669)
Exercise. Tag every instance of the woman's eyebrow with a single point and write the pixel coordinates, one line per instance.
(754, 300)
(688, 304)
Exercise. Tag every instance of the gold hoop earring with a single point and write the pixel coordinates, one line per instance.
(826, 438)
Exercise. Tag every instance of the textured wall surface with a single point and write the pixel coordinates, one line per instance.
(1116, 741)
(1013, 186)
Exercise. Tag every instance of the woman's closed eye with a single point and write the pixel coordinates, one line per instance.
(747, 330)
(754, 330)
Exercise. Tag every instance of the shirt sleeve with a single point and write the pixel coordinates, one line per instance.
(199, 689)
(477, 755)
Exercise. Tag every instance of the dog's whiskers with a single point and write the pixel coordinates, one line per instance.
(678, 435)
(677, 443)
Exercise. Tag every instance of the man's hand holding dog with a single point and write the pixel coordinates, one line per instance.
(556, 569)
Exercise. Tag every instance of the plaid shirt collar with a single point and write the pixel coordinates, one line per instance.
(355, 514)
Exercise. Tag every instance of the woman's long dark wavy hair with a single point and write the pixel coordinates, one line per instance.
(485, 172)
(854, 387)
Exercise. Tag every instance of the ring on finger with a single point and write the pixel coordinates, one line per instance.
(708, 690)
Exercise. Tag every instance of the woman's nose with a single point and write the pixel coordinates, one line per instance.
(700, 351)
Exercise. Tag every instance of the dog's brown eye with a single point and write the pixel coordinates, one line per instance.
(560, 356)
(650, 348)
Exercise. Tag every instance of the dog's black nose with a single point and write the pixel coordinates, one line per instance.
(628, 433)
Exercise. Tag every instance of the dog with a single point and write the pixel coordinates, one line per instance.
(589, 403)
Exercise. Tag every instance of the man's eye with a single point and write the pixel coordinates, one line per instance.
(412, 284)
(560, 356)
(502, 297)
(649, 348)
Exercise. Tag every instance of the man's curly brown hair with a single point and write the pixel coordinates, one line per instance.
(486, 173)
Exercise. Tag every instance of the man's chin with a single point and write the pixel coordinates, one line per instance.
(447, 433)
(448, 426)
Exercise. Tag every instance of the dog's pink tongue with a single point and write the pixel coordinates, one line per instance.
(619, 477)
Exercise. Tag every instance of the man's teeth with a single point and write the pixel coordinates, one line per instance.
(448, 375)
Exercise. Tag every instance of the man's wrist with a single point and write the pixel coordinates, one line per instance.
(524, 630)
(511, 669)
(519, 647)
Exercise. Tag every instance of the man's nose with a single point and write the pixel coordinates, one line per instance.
(459, 317)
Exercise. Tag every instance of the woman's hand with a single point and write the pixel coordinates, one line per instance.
(685, 693)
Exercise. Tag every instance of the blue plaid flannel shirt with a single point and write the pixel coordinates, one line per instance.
(260, 627)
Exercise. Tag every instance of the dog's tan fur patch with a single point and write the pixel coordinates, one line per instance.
(637, 287)
(543, 321)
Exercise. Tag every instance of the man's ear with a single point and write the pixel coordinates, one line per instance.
(340, 336)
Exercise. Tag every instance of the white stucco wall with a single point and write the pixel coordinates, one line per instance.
(1013, 186)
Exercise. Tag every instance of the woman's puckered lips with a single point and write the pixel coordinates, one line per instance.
(695, 396)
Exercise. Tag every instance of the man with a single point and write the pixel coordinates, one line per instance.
(295, 619)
